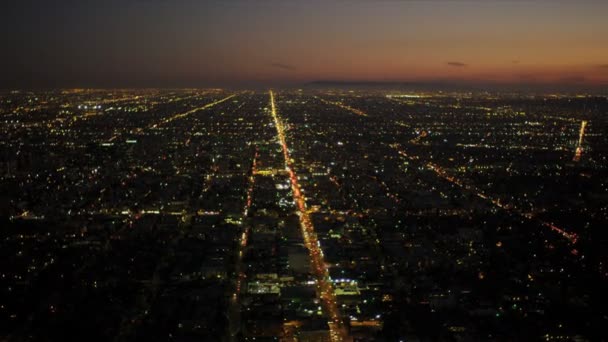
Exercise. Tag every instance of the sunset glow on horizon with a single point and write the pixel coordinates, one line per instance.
(190, 43)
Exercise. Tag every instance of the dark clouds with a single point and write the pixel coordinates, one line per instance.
(457, 64)
(283, 66)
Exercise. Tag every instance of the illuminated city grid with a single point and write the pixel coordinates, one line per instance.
(302, 215)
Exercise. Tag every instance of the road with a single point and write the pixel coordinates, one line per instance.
(234, 310)
(343, 106)
(325, 290)
(177, 116)
(442, 173)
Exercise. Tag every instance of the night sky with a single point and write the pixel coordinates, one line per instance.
(188, 43)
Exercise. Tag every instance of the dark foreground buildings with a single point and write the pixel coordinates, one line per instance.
(206, 215)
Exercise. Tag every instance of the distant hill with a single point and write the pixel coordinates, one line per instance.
(324, 84)
(452, 86)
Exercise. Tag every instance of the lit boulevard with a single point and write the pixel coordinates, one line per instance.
(343, 106)
(234, 309)
(439, 171)
(579, 147)
(177, 116)
(324, 286)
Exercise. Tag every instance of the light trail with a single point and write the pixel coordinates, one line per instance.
(234, 309)
(254, 170)
(324, 286)
(343, 106)
(439, 171)
(386, 189)
(192, 111)
(176, 116)
(420, 136)
(579, 147)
